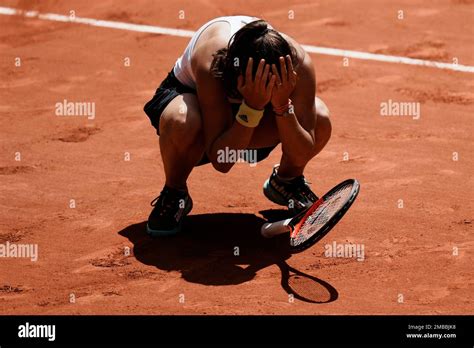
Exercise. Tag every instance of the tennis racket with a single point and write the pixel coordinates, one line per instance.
(312, 224)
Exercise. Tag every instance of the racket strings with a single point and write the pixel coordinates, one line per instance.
(322, 214)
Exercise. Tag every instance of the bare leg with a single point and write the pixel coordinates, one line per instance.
(181, 139)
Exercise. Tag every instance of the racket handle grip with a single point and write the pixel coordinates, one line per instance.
(273, 229)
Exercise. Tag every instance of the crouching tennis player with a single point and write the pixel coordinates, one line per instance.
(239, 85)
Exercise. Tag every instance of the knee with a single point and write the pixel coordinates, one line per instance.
(323, 129)
(184, 125)
(321, 108)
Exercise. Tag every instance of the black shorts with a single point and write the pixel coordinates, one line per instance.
(170, 88)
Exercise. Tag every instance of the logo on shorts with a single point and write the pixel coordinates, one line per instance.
(244, 118)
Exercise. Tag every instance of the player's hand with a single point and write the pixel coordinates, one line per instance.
(257, 91)
(285, 84)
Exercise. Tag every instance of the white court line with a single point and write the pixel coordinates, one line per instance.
(189, 33)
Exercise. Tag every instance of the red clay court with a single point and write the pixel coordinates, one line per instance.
(413, 215)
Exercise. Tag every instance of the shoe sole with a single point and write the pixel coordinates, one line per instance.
(164, 233)
(273, 195)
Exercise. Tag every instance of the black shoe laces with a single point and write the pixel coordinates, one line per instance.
(166, 201)
(299, 188)
(303, 188)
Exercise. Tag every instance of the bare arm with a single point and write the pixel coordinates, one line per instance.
(220, 130)
(297, 129)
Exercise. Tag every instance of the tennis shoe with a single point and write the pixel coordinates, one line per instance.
(295, 193)
(169, 210)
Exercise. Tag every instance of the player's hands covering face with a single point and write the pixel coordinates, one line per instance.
(285, 84)
(257, 91)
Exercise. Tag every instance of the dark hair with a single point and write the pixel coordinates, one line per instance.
(254, 40)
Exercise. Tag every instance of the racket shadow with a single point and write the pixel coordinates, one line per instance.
(305, 287)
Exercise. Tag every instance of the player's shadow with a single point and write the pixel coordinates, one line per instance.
(217, 249)
(275, 214)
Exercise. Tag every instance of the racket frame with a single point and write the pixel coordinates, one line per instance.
(294, 227)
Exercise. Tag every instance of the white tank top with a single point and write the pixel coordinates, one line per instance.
(182, 68)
